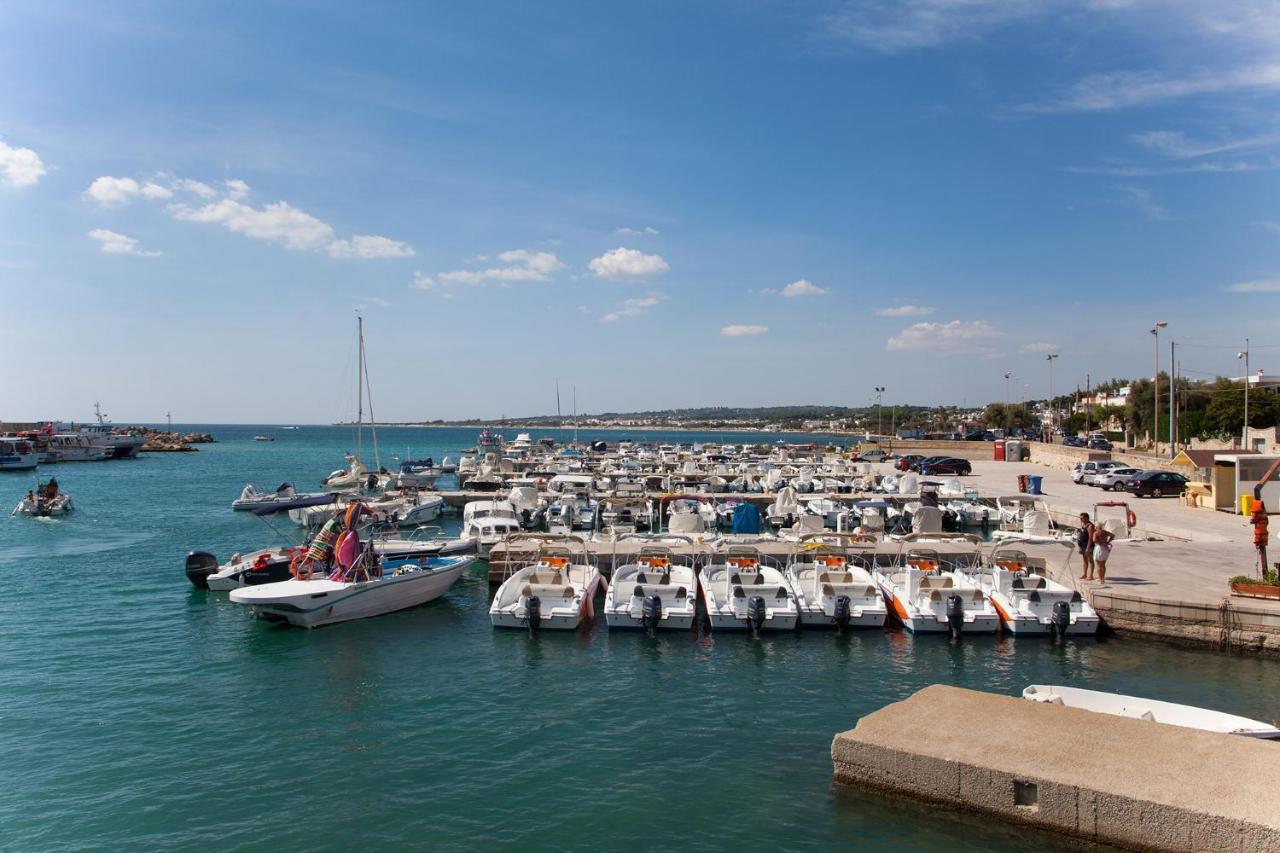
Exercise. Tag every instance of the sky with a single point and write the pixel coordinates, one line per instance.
(658, 204)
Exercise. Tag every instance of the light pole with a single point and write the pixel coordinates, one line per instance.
(1155, 387)
(1006, 389)
(879, 410)
(1244, 433)
(1053, 412)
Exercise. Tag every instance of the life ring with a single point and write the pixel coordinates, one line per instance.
(300, 567)
(1132, 518)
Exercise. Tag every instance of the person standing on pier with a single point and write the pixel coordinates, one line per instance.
(1084, 542)
(1102, 539)
(1259, 521)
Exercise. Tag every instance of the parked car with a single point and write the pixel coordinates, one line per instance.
(1113, 478)
(906, 463)
(1084, 471)
(926, 460)
(974, 435)
(953, 466)
(1073, 441)
(872, 456)
(1157, 484)
(1099, 444)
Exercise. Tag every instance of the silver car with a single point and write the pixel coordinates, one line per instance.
(1114, 478)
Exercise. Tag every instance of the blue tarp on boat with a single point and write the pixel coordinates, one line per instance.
(746, 518)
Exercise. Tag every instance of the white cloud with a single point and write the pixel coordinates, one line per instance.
(21, 167)
(277, 222)
(955, 337)
(1146, 202)
(379, 301)
(1172, 143)
(1120, 89)
(1040, 347)
(737, 330)
(1269, 285)
(236, 188)
(107, 190)
(203, 190)
(647, 230)
(891, 26)
(518, 265)
(801, 287)
(623, 263)
(111, 243)
(633, 307)
(370, 246)
(905, 311)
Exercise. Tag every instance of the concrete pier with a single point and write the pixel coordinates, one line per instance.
(1130, 783)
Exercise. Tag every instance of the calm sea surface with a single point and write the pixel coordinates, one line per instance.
(136, 710)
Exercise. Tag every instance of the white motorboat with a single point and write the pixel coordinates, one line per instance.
(655, 590)
(832, 589)
(251, 497)
(123, 443)
(741, 591)
(74, 447)
(554, 590)
(784, 510)
(826, 509)
(530, 507)
(1169, 713)
(488, 522)
(1033, 604)
(626, 515)
(17, 454)
(1037, 528)
(351, 477)
(368, 588)
(421, 510)
(926, 596)
(41, 504)
(1012, 508)
(685, 505)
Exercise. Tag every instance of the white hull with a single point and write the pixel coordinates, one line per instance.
(670, 621)
(1169, 713)
(315, 603)
(920, 621)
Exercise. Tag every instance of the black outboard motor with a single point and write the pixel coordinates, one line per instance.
(201, 564)
(1061, 619)
(533, 613)
(842, 613)
(651, 614)
(371, 483)
(955, 615)
(526, 517)
(756, 613)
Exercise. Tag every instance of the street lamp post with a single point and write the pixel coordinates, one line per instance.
(879, 410)
(1053, 412)
(1244, 433)
(1006, 389)
(1155, 387)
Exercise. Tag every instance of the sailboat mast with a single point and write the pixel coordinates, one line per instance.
(575, 415)
(559, 419)
(359, 383)
(368, 390)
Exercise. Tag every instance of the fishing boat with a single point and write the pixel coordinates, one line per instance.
(123, 443)
(654, 590)
(74, 447)
(553, 590)
(17, 454)
(832, 586)
(929, 595)
(362, 588)
(743, 590)
(1169, 713)
(1030, 603)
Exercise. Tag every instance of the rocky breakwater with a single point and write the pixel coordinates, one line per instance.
(159, 441)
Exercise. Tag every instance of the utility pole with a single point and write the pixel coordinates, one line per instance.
(1173, 384)
(1155, 389)
(1244, 432)
(1006, 389)
(1053, 412)
(1088, 401)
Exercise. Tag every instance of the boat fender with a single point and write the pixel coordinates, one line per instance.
(756, 613)
(533, 613)
(842, 613)
(955, 614)
(200, 564)
(651, 614)
(1061, 618)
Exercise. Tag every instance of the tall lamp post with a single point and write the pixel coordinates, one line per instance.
(1006, 389)
(879, 410)
(1053, 412)
(1155, 387)
(1244, 433)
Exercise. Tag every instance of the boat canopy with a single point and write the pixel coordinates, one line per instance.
(746, 518)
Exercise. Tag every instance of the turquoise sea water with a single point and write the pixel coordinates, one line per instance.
(135, 710)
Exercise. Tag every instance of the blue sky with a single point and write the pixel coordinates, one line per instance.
(663, 204)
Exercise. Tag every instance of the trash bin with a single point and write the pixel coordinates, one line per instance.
(1012, 451)
(1034, 483)
(999, 449)
(1022, 484)
(1246, 504)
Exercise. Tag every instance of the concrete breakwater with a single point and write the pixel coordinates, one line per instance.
(160, 441)
(1126, 782)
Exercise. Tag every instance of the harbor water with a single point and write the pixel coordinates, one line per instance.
(136, 710)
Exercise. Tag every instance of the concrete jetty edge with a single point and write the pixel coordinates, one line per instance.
(1130, 783)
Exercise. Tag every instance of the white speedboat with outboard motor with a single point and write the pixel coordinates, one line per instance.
(655, 590)
(1030, 603)
(553, 590)
(360, 587)
(744, 590)
(251, 497)
(421, 509)
(1169, 713)
(927, 596)
(46, 501)
(832, 583)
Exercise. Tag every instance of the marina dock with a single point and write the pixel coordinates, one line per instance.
(1107, 779)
